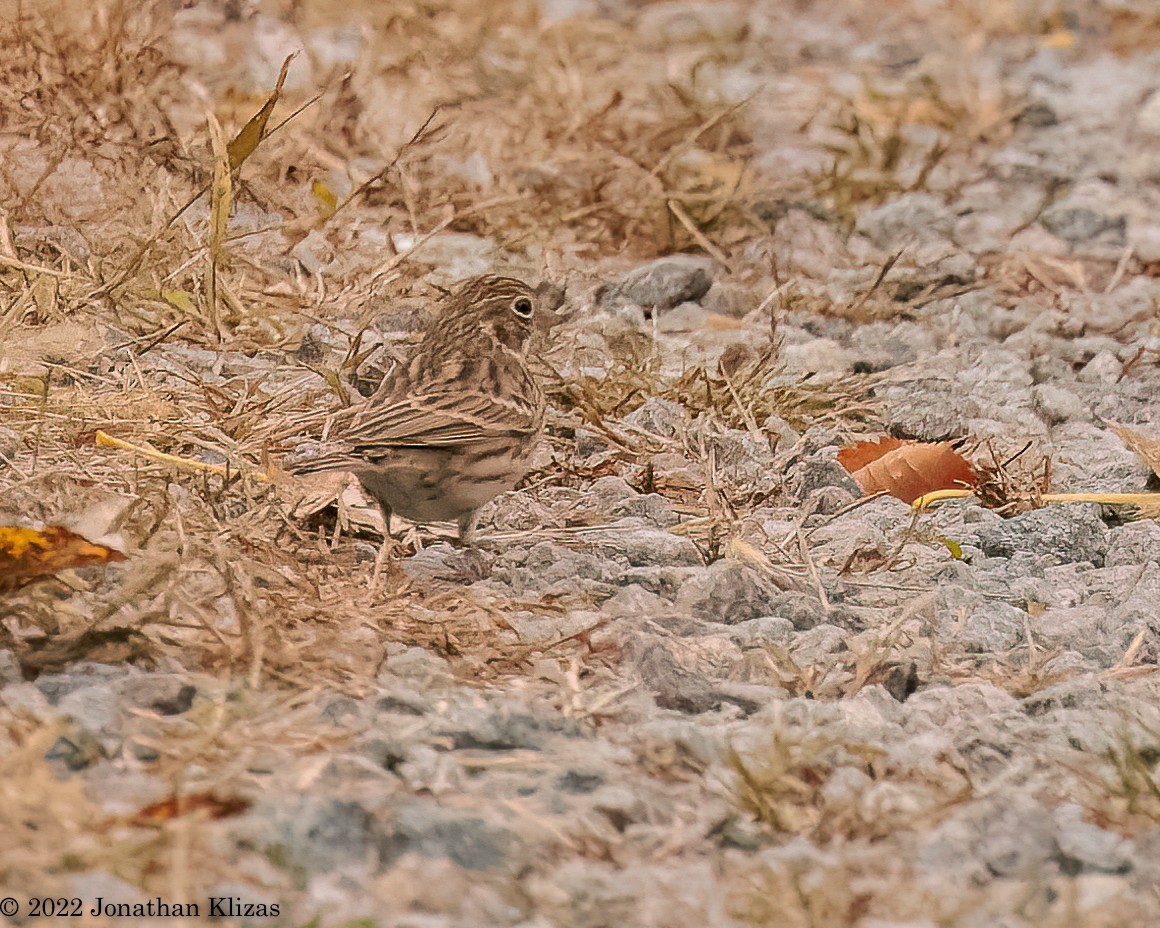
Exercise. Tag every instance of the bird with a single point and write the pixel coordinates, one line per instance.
(457, 424)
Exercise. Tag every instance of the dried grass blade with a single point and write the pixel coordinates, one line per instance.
(698, 236)
(220, 197)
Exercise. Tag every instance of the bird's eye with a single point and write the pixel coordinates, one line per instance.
(522, 307)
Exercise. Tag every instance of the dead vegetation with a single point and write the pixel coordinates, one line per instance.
(132, 301)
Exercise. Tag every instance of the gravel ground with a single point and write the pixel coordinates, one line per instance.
(688, 677)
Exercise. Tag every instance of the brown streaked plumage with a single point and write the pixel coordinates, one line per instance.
(455, 426)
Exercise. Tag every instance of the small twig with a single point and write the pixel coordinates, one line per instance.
(379, 175)
(1121, 267)
(890, 262)
(31, 268)
(698, 236)
(811, 569)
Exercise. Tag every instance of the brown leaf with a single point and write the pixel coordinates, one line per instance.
(906, 470)
(1147, 448)
(160, 812)
(118, 645)
(26, 553)
(855, 457)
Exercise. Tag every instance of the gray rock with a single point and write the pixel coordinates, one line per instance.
(683, 319)
(1065, 532)
(1086, 847)
(660, 417)
(589, 443)
(663, 582)
(419, 666)
(1081, 627)
(992, 628)
(167, 694)
(503, 728)
(729, 300)
(662, 284)
(902, 221)
(9, 668)
(1078, 222)
(802, 610)
(940, 708)
(77, 750)
(644, 545)
(744, 460)
(424, 828)
(26, 698)
(96, 710)
(648, 507)
(817, 472)
(1088, 458)
(729, 593)
(1105, 368)
(620, 805)
(317, 835)
(931, 265)
(548, 564)
(56, 686)
(1017, 838)
(579, 781)
(766, 629)
(1134, 543)
(1056, 404)
(811, 646)
(10, 445)
(606, 491)
(674, 686)
(929, 408)
(445, 562)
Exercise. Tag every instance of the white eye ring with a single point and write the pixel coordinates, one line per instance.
(522, 307)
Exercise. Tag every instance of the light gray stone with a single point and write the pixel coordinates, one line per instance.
(663, 283)
(729, 593)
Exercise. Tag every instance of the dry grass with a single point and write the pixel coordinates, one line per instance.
(124, 307)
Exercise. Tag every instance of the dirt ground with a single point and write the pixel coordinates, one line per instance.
(688, 676)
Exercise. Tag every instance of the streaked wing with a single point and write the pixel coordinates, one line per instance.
(438, 420)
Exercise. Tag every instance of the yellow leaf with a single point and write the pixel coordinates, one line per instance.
(252, 132)
(1060, 38)
(179, 298)
(954, 547)
(325, 197)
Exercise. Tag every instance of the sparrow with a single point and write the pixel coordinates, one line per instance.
(457, 424)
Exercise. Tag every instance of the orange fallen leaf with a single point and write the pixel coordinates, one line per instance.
(160, 812)
(855, 457)
(906, 469)
(26, 553)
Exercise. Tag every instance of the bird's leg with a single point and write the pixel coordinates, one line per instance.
(467, 529)
(386, 511)
(397, 545)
